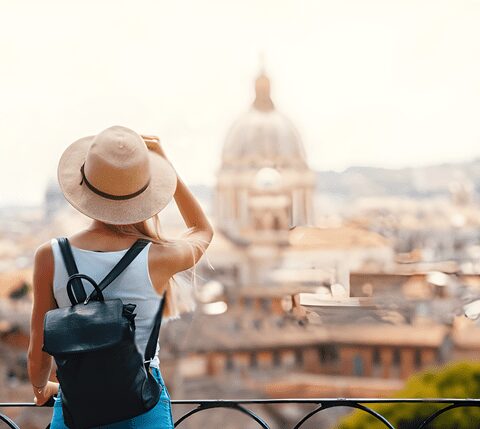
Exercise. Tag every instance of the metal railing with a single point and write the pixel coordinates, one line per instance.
(363, 404)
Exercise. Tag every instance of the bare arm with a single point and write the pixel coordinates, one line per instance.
(39, 362)
(186, 254)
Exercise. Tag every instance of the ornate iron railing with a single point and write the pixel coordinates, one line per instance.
(446, 404)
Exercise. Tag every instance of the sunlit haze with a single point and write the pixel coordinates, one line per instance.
(384, 83)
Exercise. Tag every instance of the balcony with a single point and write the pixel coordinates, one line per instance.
(442, 406)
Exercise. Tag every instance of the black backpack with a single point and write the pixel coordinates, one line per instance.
(103, 376)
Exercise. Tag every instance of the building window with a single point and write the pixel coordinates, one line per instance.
(235, 326)
(299, 357)
(321, 353)
(376, 362)
(266, 304)
(277, 358)
(418, 358)
(253, 360)
(396, 357)
(328, 353)
(324, 354)
(358, 365)
(230, 365)
(257, 324)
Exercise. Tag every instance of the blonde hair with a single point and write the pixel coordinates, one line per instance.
(180, 293)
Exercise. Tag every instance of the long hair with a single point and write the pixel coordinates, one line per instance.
(180, 293)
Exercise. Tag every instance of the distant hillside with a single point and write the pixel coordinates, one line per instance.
(415, 182)
(411, 182)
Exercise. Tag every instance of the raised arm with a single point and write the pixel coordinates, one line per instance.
(187, 252)
(39, 362)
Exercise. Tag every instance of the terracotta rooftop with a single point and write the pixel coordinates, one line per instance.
(335, 238)
(315, 386)
(235, 331)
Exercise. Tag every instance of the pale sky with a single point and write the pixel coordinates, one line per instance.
(367, 82)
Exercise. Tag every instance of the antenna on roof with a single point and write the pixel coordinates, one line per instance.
(261, 61)
(262, 102)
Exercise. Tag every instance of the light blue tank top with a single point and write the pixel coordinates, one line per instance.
(133, 286)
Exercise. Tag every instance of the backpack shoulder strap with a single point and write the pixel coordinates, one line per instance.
(79, 294)
(126, 260)
(152, 340)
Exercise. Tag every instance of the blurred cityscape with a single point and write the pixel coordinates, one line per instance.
(323, 284)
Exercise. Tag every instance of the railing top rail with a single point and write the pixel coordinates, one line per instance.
(321, 404)
(299, 401)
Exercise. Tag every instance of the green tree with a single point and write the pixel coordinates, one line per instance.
(457, 380)
(21, 291)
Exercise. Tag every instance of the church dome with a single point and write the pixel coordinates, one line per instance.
(263, 137)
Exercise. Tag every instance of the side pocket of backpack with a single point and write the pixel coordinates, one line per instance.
(151, 390)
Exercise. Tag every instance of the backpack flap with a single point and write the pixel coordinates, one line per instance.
(85, 327)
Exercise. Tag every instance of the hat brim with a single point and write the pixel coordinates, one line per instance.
(157, 195)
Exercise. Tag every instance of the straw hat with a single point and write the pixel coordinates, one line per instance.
(113, 177)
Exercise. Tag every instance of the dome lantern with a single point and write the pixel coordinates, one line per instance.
(263, 102)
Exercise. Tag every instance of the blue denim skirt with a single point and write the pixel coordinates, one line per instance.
(159, 417)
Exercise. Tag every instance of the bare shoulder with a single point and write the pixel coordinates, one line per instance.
(43, 266)
(44, 254)
(43, 273)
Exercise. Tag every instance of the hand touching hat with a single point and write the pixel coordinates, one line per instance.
(114, 177)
